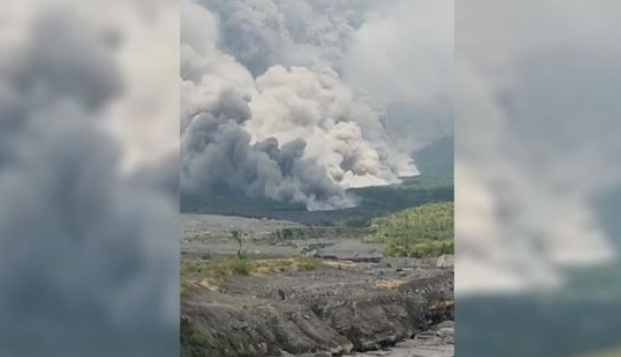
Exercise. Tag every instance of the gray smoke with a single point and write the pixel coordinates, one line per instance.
(219, 157)
(85, 250)
(264, 33)
(538, 142)
(282, 62)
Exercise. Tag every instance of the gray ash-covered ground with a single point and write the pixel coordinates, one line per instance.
(394, 307)
(437, 342)
(206, 223)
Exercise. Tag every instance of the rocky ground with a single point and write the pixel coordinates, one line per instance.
(437, 342)
(395, 307)
(207, 223)
(209, 234)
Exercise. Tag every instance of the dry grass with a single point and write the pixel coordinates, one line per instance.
(206, 272)
(389, 283)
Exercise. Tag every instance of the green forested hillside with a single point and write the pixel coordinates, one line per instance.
(421, 231)
(374, 201)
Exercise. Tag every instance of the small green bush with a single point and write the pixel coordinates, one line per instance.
(419, 249)
(241, 266)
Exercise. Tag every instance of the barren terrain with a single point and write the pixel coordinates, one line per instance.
(311, 297)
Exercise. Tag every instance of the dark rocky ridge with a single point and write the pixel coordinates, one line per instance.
(331, 310)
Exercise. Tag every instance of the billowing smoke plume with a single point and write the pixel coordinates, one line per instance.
(219, 156)
(402, 57)
(264, 33)
(86, 249)
(538, 143)
(344, 134)
(265, 110)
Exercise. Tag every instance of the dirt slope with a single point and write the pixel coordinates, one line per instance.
(335, 308)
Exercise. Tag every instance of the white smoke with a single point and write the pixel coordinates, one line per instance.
(537, 141)
(343, 134)
(403, 52)
(285, 58)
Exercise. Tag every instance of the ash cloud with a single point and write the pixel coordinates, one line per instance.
(401, 57)
(219, 156)
(286, 59)
(265, 33)
(344, 134)
(85, 247)
(537, 144)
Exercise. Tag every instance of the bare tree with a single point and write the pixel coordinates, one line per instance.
(239, 238)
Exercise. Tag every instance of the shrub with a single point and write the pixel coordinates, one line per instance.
(416, 232)
(241, 266)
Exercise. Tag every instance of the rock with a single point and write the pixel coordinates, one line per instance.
(443, 324)
(445, 332)
(323, 354)
(338, 317)
(378, 353)
(445, 261)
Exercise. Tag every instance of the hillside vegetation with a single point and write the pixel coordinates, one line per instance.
(374, 201)
(421, 231)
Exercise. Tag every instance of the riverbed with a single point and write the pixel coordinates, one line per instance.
(436, 343)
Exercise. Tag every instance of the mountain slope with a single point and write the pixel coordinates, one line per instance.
(436, 159)
(374, 201)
